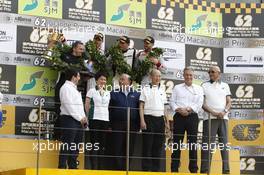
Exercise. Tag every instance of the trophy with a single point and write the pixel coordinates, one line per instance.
(53, 39)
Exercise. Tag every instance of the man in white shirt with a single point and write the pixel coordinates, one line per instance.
(217, 103)
(152, 111)
(72, 120)
(186, 101)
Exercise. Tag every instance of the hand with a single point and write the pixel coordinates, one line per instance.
(215, 113)
(84, 122)
(184, 112)
(154, 60)
(221, 115)
(143, 125)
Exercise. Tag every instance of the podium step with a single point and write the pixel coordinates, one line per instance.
(46, 171)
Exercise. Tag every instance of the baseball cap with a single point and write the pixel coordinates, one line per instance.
(149, 39)
(99, 36)
(125, 39)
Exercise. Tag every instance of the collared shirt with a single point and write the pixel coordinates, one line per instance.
(71, 101)
(154, 98)
(215, 94)
(99, 105)
(184, 96)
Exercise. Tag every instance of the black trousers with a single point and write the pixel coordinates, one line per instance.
(182, 124)
(98, 133)
(153, 143)
(119, 142)
(72, 135)
(219, 127)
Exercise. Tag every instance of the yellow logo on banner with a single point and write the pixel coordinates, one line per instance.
(37, 81)
(203, 23)
(246, 132)
(46, 8)
(126, 13)
(8, 120)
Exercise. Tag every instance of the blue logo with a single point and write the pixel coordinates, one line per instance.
(120, 12)
(198, 23)
(31, 6)
(32, 80)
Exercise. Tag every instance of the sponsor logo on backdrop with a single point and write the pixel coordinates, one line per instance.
(7, 82)
(8, 6)
(201, 58)
(32, 81)
(21, 59)
(240, 60)
(31, 6)
(126, 13)
(37, 81)
(203, 23)
(173, 56)
(246, 132)
(8, 38)
(243, 25)
(85, 10)
(32, 40)
(28, 100)
(169, 19)
(247, 96)
(8, 120)
(242, 114)
(120, 12)
(45, 8)
(27, 121)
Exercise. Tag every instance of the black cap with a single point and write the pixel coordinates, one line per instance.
(99, 36)
(125, 39)
(149, 39)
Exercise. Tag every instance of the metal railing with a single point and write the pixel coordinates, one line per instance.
(44, 132)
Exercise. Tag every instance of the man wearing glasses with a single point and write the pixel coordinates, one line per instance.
(186, 101)
(217, 103)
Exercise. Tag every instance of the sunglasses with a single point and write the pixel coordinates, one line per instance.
(211, 72)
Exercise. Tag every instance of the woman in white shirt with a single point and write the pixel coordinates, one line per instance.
(96, 105)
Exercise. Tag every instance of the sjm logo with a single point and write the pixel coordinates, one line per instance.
(120, 12)
(31, 6)
(198, 23)
(246, 132)
(32, 81)
(134, 16)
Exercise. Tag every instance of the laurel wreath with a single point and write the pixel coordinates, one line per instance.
(117, 60)
(100, 63)
(146, 65)
(54, 58)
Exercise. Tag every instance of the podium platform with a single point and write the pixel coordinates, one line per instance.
(17, 154)
(44, 171)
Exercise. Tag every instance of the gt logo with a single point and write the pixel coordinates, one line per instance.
(246, 132)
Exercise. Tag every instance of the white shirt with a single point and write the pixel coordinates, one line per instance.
(215, 97)
(71, 101)
(154, 98)
(101, 103)
(184, 96)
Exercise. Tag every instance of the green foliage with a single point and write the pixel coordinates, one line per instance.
(145, 65)
(118, 60)
(100, 63)
(54, 58)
